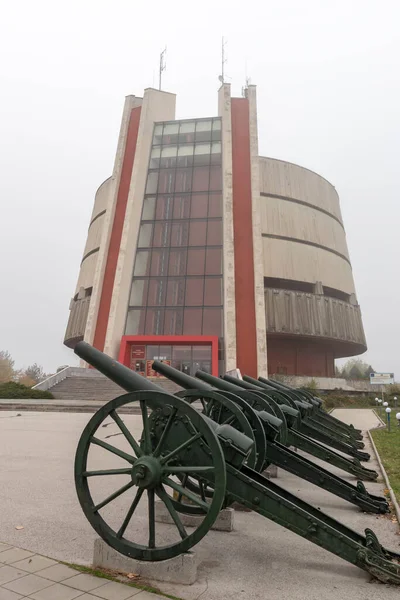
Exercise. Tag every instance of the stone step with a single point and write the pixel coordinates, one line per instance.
(97, 388)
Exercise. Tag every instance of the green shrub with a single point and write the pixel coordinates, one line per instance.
(339, 401)
(12, 389)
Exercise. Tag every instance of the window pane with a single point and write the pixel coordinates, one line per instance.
(152, 179)
(173, 321)
(215, 205)
(215, 178)
(196, 261)
(183, 180)
(187, 127)
(200, 178)
(159, 262)
(181, 207)
(157, 289)
(214, 261)
(171, 128)
(155, 157)
(199, 206)
(145, 233)
(175, 292)
(138, 295)
(212, 321)
(180, 233)
(197, 234)
(168, 156)
(213, 292)
(154, 321)
(216, 148)
(164, 207)
(203, 126)
(185, 155)
(158, 129)
(202, 149)
(162, 232)
(192, 319)
(181, 352)
(217, 124)
(214, 233)
(194, 292)
(166, 181)
(135, 322)
(152, 352)
(142, 263)
(177, 262)
(202, 352)
(165, 352)
(148, 208)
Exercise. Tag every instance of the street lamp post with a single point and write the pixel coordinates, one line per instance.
(395, 401)
(388, 411)
(398, 419)
(380, 406)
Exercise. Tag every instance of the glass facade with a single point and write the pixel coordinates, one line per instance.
(177, 278)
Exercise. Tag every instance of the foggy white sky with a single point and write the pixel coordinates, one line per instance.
(328, 99)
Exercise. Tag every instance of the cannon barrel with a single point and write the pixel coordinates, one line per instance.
(242, 384)
(217, 382)
(121, 375)
(261, 384)
(185, 381)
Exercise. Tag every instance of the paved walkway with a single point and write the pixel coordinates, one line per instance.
(27, 575)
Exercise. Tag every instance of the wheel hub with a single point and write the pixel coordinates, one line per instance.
(146, 472)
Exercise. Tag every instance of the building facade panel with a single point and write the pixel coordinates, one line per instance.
(292, 181)
(295, 261)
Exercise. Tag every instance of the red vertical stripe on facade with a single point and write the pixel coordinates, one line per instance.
(246, 340)
(116, 232)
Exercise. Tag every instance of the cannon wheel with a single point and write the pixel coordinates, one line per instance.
(150, 470)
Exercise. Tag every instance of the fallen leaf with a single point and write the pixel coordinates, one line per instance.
(19, 527)
(132, 576)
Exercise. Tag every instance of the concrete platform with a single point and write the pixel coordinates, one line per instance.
(181, 569)
(225, 520)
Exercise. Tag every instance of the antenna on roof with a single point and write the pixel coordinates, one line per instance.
(223, 61)
(163, 65)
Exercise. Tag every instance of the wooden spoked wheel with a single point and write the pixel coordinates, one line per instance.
(174, 441)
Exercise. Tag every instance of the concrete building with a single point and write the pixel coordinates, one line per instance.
(202, 253)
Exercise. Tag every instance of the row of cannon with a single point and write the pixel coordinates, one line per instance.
(208, 446)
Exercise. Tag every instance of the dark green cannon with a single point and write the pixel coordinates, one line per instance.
(277, 425)
(308, 426)
(306, 396)
(299, 435)
(173, 449)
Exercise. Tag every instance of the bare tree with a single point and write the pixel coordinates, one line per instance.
(7, 372)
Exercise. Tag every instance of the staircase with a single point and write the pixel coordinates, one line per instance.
(95, 386)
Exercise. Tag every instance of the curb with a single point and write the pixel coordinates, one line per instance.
(379, 418)
(386, 479)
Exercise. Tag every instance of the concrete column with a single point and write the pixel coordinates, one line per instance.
(224, 111)
(130, 103)
(156, 106)
(261, 331)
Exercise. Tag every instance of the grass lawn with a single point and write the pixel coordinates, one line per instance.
(388, 446)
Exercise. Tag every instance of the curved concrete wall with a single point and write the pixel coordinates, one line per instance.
(89, 257)
(301, 225)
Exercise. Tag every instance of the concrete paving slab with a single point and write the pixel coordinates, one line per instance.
(13, 555)
(10, 573)
(9, 595)
(84, 582)
(114, 591)
(27, 585)
(57, 573)
(57, 591)
(34, 563)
